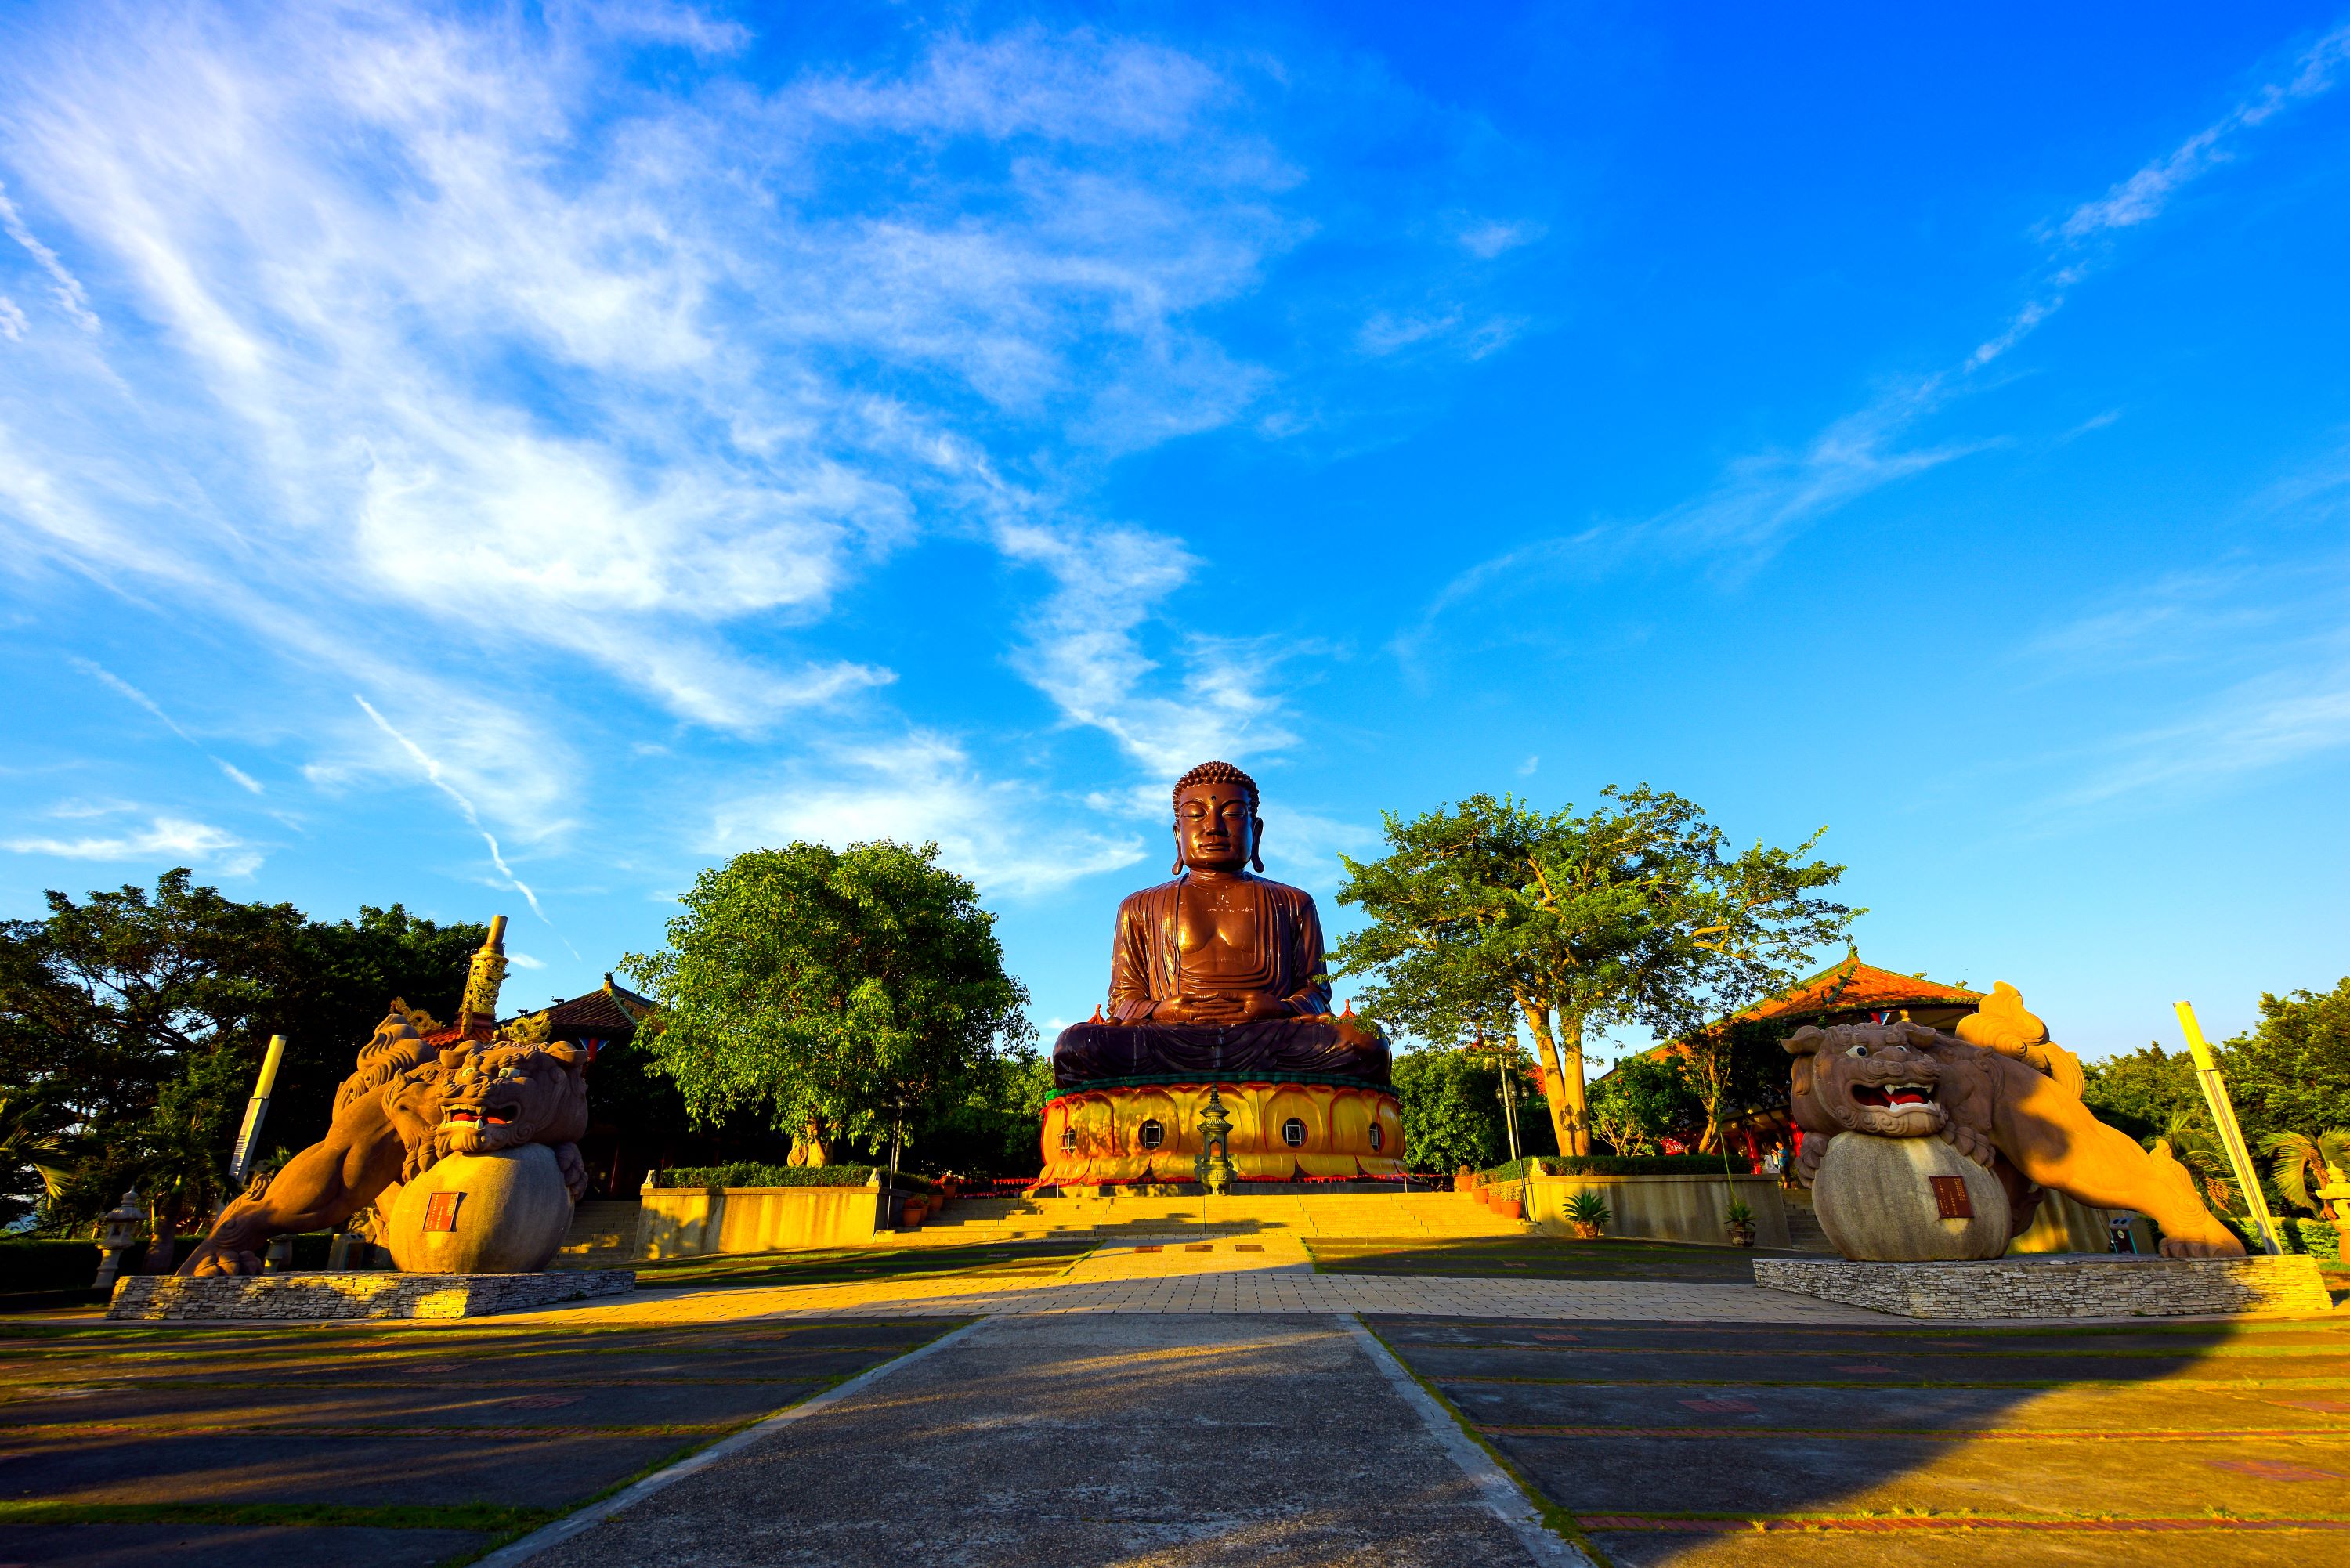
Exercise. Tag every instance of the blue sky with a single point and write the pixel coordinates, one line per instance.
(506, 460)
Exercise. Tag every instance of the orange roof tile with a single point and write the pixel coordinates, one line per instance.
(1853, 985)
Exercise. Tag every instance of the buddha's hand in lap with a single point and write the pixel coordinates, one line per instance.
(1217, 1008)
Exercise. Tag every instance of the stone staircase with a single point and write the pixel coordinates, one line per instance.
(603, 1235)
(1353, 1216)
(1803, 1233)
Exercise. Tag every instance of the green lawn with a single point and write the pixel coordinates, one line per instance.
(1536, 1257)
(845, 1265)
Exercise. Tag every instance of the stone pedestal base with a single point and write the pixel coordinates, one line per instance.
(2059, 1285)
(316, 1298)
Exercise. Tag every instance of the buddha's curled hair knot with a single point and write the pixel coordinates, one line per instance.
(1218, 772)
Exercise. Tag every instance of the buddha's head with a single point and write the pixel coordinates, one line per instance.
(1216, 824)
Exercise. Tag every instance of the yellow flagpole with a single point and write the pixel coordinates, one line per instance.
(255, 1112)
(2223, 1117)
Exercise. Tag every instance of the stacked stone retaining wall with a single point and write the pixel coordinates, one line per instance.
(313, 1298)
(2058, 1287)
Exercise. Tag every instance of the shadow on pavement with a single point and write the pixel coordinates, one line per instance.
(408, 1445)
(1690, 1444)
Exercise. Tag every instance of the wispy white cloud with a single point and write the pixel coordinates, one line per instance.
(374, 239)
(66, 288)
(1765, 496)
(1491, 238)
(105, 677)
(1009, 836)
(1085, 649)
(2270, 721)
(2145, 193)
(165, 837)
(1762, 498)
(438, 779)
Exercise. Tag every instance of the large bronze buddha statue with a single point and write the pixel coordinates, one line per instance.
(1218, 975)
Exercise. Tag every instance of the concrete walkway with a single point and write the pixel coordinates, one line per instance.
(1270, 1276)
(1146, 1441)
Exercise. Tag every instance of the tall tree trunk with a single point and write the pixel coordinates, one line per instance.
(1570, 1118)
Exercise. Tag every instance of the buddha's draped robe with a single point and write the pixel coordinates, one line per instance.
(1282, 960)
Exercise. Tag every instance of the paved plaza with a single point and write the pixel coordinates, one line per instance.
(1513, 1402)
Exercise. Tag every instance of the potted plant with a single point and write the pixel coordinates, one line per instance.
(1740, 1223)
(1587, 1212)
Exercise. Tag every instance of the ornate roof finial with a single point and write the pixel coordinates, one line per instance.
(483, 976)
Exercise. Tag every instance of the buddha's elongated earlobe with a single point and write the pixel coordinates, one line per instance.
(1256, 837)
(1177, 869)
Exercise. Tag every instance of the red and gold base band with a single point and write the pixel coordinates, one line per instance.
(1281, 1132)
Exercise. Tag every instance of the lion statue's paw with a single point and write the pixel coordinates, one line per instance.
(2187, 1247)
(212, 1263)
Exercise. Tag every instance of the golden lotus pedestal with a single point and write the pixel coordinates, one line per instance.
(1125, 1133)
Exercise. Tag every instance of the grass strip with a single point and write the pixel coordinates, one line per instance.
(1930, 1433)
(480, 1516)
(372, 1431)
(1555, 1519)
(548, 1516)
(1868, 1523)
(1886, 1386)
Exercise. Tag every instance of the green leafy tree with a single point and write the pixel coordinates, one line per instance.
(1643, 1101)
(2144, 1092)
(1452, 1112)
(138, 1020)
(2195, 1146)
(2292, 1072)
(36, 1163)
(837, 993)
(2300, 1164)
(1636, 911)
(993, 1131)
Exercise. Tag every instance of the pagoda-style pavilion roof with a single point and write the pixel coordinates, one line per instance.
(610, 1014)
(1851, 991)
(1851, 986)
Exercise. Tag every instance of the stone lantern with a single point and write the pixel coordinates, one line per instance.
(1215, 1147)
(118, 1234)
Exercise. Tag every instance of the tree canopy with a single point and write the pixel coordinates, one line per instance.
(1452, 1110)
(132, 1024)
(1644, 1101)
(1636, 911)
(835, 993)
(2292, 1072)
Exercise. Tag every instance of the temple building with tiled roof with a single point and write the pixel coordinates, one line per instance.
(1851, 991)
(1847, 992)
(605, 1017)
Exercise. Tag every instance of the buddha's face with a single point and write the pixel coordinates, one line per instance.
(1214, 828)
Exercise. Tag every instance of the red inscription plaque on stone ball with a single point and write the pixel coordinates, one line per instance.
(440, 1213)
(1951, 1199)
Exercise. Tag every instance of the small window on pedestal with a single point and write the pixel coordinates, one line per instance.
(1068, 1140)
(1153, 1135)
(1378, 1138)
(1293, 1133)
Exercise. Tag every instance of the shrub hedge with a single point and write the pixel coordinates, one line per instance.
(753, 1173)
(40, 1263)
(1622, 1165)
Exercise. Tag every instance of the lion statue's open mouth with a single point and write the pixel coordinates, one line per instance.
(506, 1097)
(1893, 1095)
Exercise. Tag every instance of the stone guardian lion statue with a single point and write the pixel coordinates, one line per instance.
(2004, 1095)
(407, 1106)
